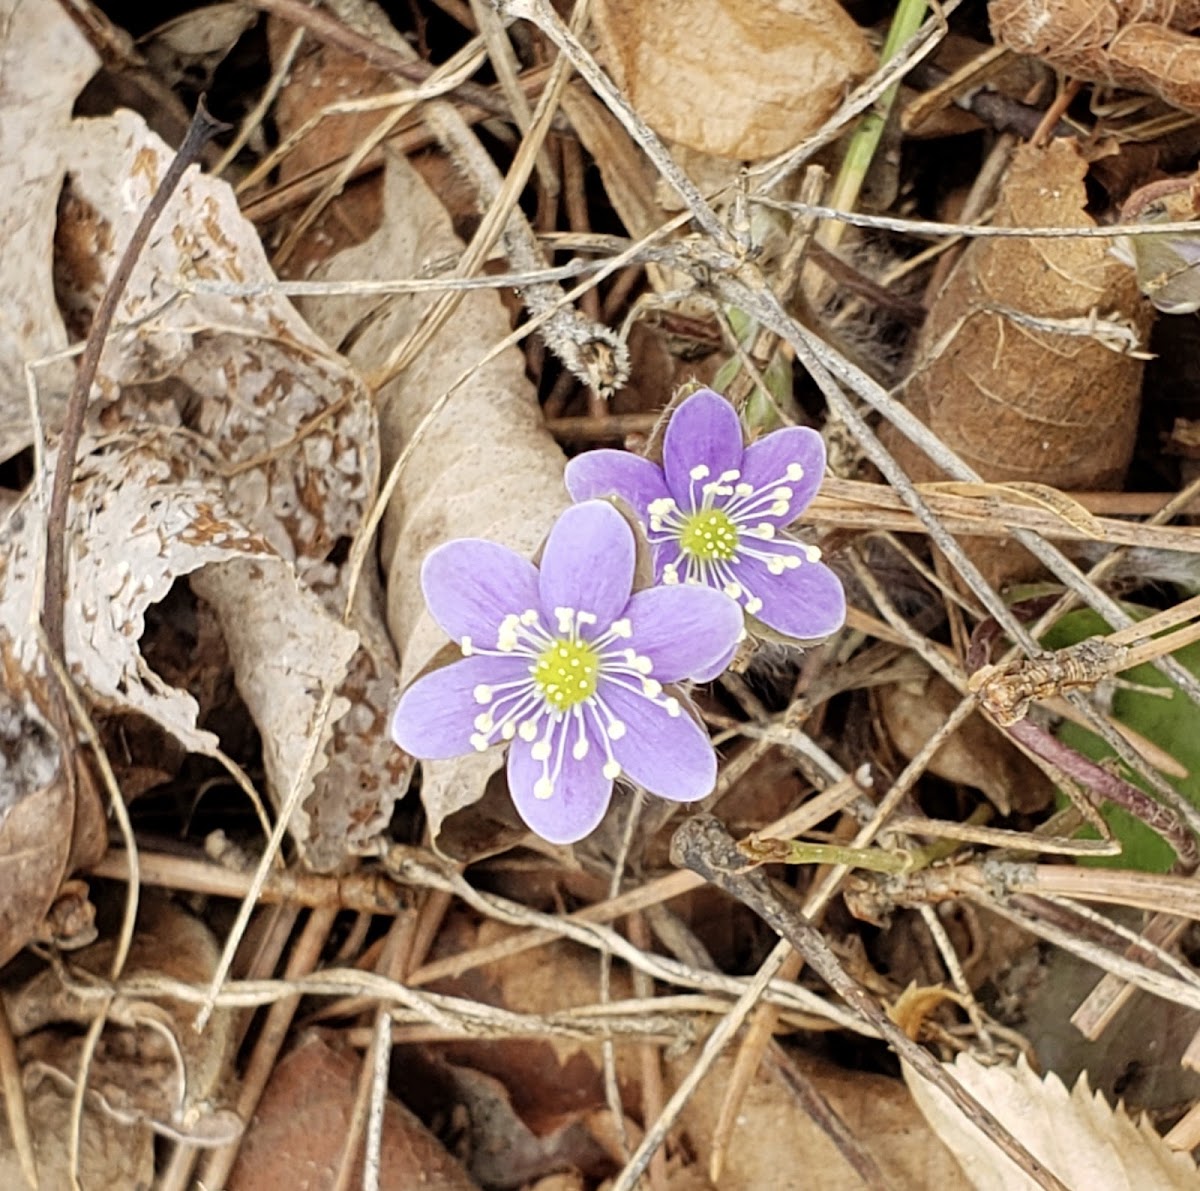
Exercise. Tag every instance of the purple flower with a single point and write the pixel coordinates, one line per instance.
(568, 665)
(716, 509)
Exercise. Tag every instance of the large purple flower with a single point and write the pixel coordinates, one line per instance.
(568, 665)
(715, 512)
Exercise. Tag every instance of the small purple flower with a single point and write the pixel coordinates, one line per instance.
(716, 509)
(568, 665)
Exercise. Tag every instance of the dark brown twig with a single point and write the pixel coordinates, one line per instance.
(703, 845)
(202, 128)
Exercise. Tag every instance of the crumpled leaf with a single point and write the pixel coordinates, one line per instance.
(1168, 266)
(769, 74)
(485, 467)
(1139, 44)
(44, 62)
(282, 432)
(133, 530)
(1075, 1134)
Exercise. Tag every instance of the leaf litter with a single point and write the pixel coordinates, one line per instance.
(237, 635)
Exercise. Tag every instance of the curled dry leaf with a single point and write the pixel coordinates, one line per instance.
(1015, 371)
(1139, 44)
(279, 429)
(1075, 1134)
(769, 73)
(151, 1068)
(44, 61)
(484, 467)
(299, 1131)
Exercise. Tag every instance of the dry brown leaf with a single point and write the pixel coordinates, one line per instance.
(486, 467)
(777, 1145)
(44, 61)
(299, 1131)
(1012, 371)
(36, 809)
(150, 1068)
(1019, 403)
(976, 755)
(1075, 1134)
(735, 79)
(112, 1155)
(1138, 44)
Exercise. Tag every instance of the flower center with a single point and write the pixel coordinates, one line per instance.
(709, 534)
(566, 672)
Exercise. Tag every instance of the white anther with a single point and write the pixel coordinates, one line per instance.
(615, 730)
(779, 508)
(673, 708)
(529, 616)
(543, 788)
(743, 489)
(540, 751)
(791, 561)
(508, 729)
(732, 590)
(699, 471)
(484, 722)
(642, 664)
(528, 729)
(727, 476)
(580, 749)
(670, 575)
(466, 647)
(661, 507)
(651, 688)
(812, 553)
(753, 605)
(782, 494)
(621, 628)
(764, 530)
(479, 743)
(775, 564)
(611, 770)
(483, 693)
(794, 472)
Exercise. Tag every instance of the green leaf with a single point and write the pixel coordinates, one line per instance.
(1172, 723)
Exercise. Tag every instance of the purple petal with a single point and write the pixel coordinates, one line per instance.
(807, 603)
(635, 480)
(581, 792)
(718, 667)
(435, 717)
(588, 563)
(471, 586)
(670, 755)
(684, 631)
(765, 466)
(703, 431)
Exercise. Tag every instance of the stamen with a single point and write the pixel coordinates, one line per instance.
(615, 729)
(611, 770)
(794, 472)
(579, 749)
(483, 693)
(541, 750)
(543, 788)
(699, 472)
(465, 645)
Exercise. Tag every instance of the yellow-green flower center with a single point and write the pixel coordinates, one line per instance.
(566, 672)
(710, 535)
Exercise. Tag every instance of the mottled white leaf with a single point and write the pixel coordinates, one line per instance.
(44, 63)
